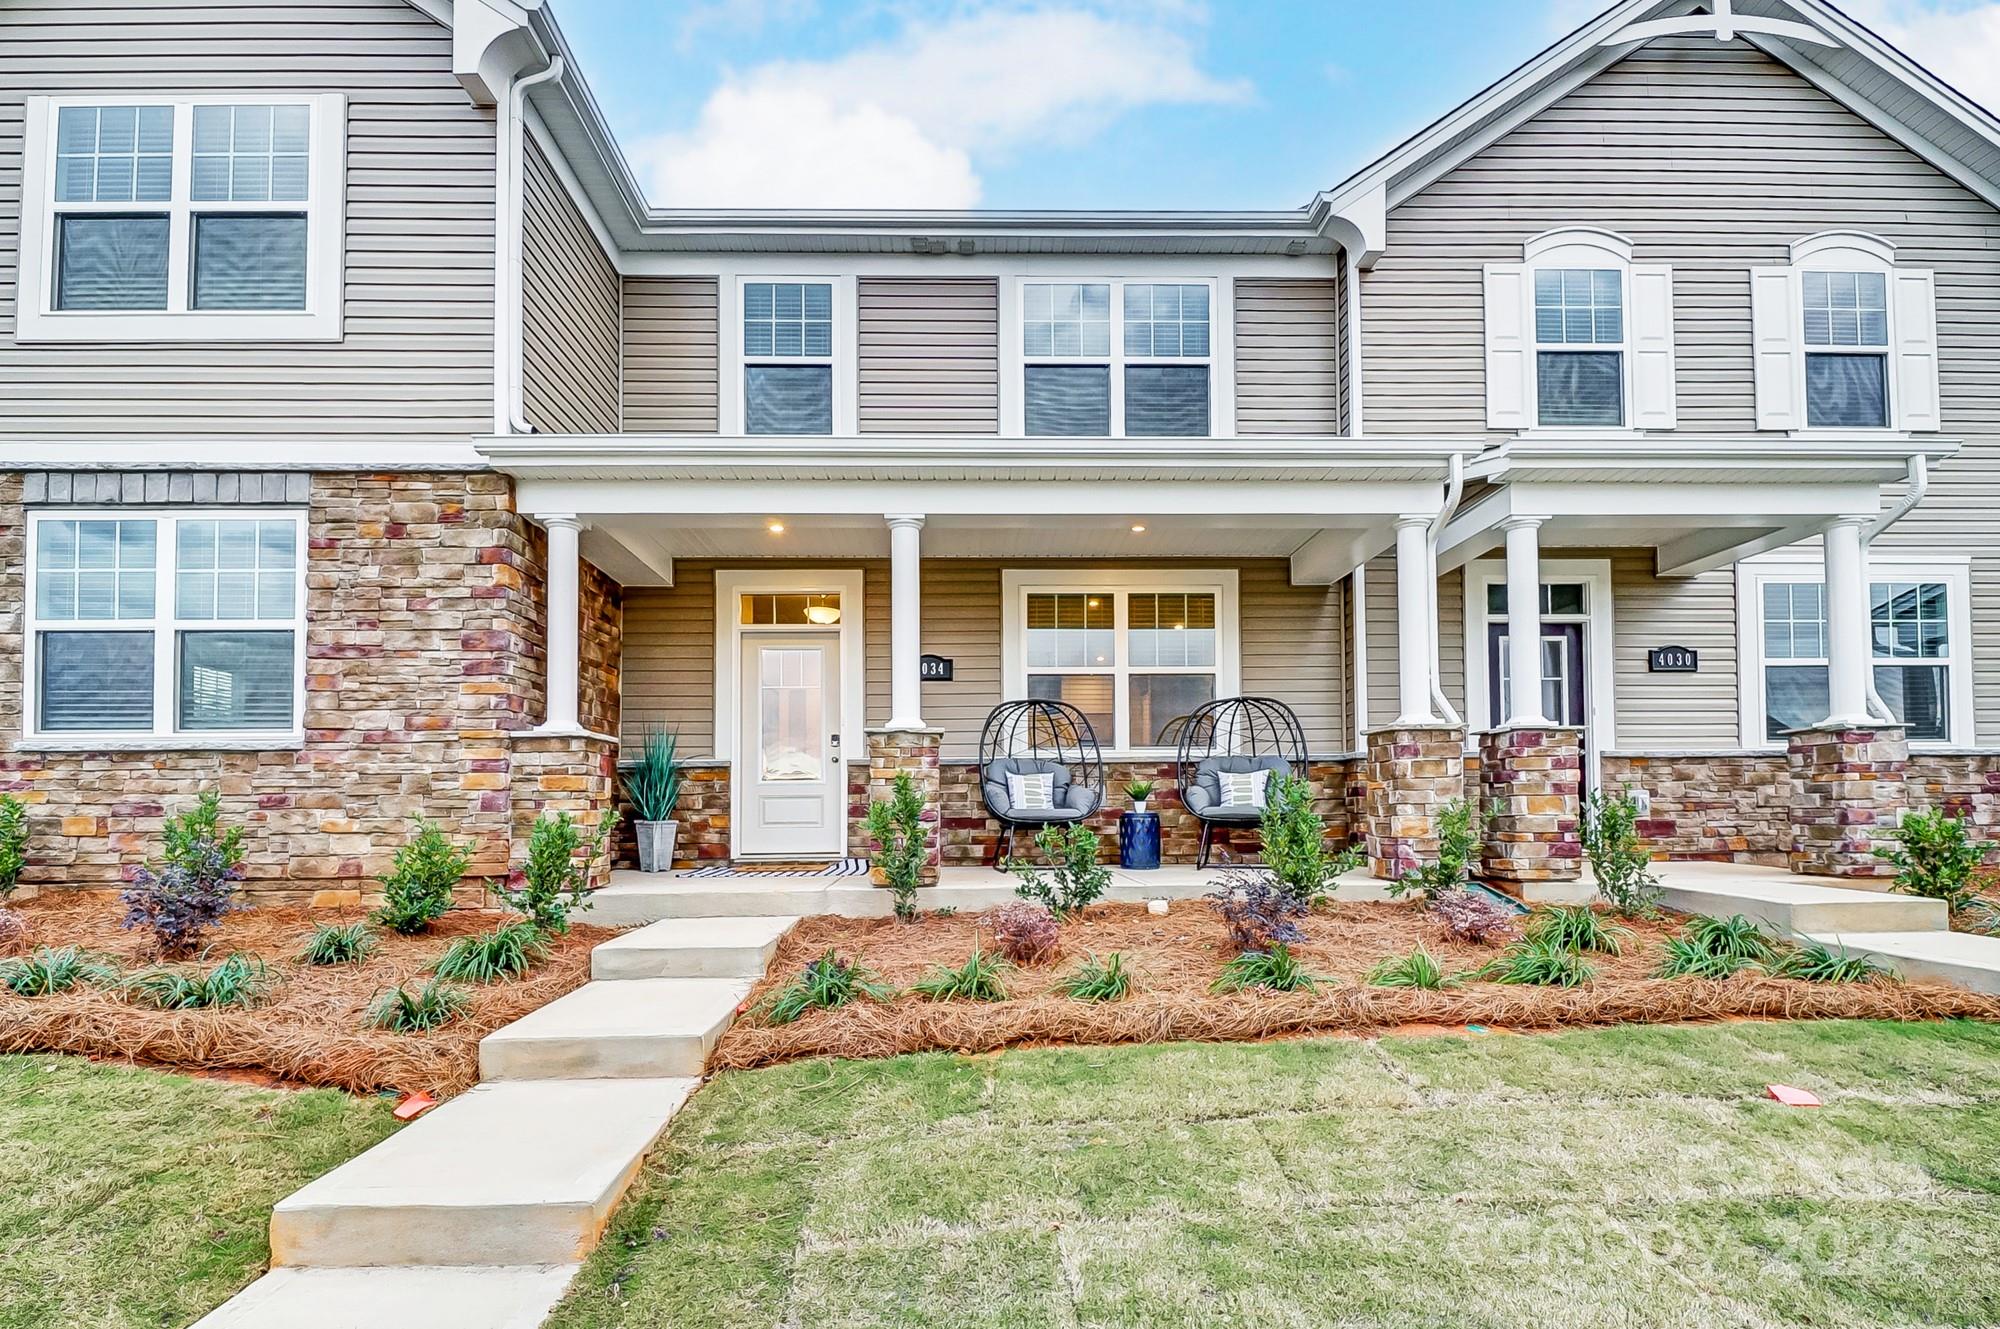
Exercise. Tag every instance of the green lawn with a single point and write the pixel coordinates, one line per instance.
(1618, 1178)
(134, 1198)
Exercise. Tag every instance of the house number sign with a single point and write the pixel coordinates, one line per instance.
(1672, 660)
(934, 669)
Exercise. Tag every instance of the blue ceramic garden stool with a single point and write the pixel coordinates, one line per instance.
(1139, 840)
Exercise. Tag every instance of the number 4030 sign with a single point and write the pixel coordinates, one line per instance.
(1672, 660)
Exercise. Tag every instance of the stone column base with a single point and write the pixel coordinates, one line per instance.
(1530, 782)
(1847, 787)
(892, 752)
(573, 774)
(1412, 773)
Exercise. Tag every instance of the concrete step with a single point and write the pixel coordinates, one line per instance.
(637, 1028)
(692, 948)
(1963, 958)
(472, 1297)
(504, 1174)
(1790, 904)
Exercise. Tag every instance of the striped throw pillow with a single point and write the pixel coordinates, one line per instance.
(1245, 790)
(1032, 793)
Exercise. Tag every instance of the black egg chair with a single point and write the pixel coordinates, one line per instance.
(1234, 736)
(1038, 737)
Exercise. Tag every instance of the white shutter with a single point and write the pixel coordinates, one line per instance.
(1915, 295)
(1506, 346)
(1780, 363)
(1652, 346)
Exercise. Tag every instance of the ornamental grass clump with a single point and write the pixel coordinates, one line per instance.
(1275, 969)
(1541, 964)
(1074, 880)
(826, 983)
(1716, 948)
(52, 970)
(978, 979)
(653, 783)
(555, 880)
(333, 943)
(1099, 980)
(1257, 910)
(1618, 857)
(1816, 962)
(422, 877)
(1575, 927)
(1418, 969)
(902, 843)
(239, 981)
(1026, 934)
(1935, 858)
(403, 1011)
(184, 895)
(508, 951)
(1476, 917)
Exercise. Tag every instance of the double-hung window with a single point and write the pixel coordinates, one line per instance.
(1846, 321)
(788, 357)
(1579, 347)
(1117, 358)
(202, 218)
(165, 626)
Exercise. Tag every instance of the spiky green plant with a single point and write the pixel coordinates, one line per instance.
(1716, 948)
(1576, 927)
(653, 782)
(1681, 958)
(51, 970)
(332, 943)
(431, 1006)
(1540, 963)
(825, 983)
(1816, 962)
(508, 951)
(1274, 969)
(239, 980)
(1418, 969)
(1099, 980)
(978, 979)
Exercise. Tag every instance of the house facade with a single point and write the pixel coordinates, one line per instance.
(370, 449)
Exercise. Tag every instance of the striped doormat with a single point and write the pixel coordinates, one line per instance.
(839, 867)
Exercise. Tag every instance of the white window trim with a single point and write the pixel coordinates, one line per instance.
(1016, 584)
(1220, 400)
(166, 626)
(324, 206)
(1599, 634)
(844, 360)
(1584, 247)
(1956, 573)
(1835, 251)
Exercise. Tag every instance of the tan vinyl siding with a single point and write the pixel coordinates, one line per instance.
(1664, 712)
(1288, 356)
(569, 311)
(1712, 158)
(1383, 702)
(417, 358)
(929, 355)
(671, 355)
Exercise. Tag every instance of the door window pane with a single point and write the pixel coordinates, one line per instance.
(1795, 697)
(249, 262)
(1158, 700)
(790, 611)
(111, 262)
(1847, 391)
(1068, 401)
(1093, 694)
(236, 680)
(95, 681)
(1166, 401)
(791, 711)
(788, 399)
(1580, 387)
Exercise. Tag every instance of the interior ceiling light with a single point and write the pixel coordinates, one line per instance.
(822, 613)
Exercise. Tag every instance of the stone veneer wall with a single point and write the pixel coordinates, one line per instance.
(1529, 782)
(1412, 773)
(1722, 807)
(893, 752)
(1847, 790)
(424, 663)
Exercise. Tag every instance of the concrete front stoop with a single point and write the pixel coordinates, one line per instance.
(1964, 958)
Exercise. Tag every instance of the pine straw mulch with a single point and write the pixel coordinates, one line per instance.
(309, 1030)
(1175, 958)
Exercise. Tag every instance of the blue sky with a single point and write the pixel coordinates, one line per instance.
(1077, 103)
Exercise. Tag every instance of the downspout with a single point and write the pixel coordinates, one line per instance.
(1453, 491)
(508, 353)
(1917, 485)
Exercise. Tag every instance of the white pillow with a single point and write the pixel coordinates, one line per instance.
(1245, 790)
(1032, 793)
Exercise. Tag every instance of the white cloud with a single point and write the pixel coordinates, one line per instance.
(902, 123)
(1957, 41)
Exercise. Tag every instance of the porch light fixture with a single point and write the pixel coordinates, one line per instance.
(776, 528)
(1138, 530)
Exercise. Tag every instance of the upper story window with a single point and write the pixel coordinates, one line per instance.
(200, 218)
(1845, 338)
(788, 357)
(1579, 337)
(1117, 358)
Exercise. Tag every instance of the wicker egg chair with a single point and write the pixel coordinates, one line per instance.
(1234, 736)
(1038, 737)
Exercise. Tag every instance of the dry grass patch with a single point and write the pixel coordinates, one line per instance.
(310, 1028)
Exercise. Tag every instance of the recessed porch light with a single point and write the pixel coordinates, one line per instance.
(1138, 528)
(776, 528)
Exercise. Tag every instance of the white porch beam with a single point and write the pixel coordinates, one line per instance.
(1474, 530)
(1715, 547)
(1334, 553)
(1848, 648)
(627, 559)
(906, 688)
(1524, 621)
(562, 623)
(1416, 607)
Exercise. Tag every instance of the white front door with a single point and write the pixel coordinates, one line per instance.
(792, 800)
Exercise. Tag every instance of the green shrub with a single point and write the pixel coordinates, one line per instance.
(825, 983)
(49, 971)
(432, 1006)
(978, 979)
(1542, 963)
(418, 889)
(331, 943)
(1934, 858)
(653, 782)
(555, 880)
(1275, 968)
(1716, 948)
(1075, 878)
(508, 951)
(1418, 969)
(1295, 840)
(1099, 980)
(239, 980)
(1460, 825)
(1618, 857)
(180, 898)
(13, 843)
(1815, 962)
(902, 842)
(1575, 927)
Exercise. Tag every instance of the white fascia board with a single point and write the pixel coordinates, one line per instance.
(792, 262)
(1714, 459)
(438, 11)
(385, 454)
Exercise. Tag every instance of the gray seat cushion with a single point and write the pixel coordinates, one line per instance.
(1073, 801)
(1204, 795)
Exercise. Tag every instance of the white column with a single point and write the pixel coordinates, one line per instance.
(906, 690)
(1848, 649)
(1524, 621)
(1414, 610)
(563, 626)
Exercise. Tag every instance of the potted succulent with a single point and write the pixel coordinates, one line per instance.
(653, 783)
(1139, 791)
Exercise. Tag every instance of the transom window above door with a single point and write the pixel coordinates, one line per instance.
(1117, 358)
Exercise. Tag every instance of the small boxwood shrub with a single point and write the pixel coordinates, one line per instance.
(418, 888)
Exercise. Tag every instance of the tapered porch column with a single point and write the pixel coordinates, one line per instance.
(563, 625)
(1524, 622)
(906, 701)
(1848, 648)
(1414, 614)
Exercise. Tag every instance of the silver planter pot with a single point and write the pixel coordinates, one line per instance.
(656, 844)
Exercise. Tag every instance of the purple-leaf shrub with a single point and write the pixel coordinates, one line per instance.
(1026, 933)
(184, 895)
(1475, 917)
(1258, 912)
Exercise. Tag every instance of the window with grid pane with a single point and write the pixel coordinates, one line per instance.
(788, 327)
(1579, 346)
(1127, 358)
(1134, 661)
(1846, 320)
(113, 258)
(1911, 641)
(96, 579)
